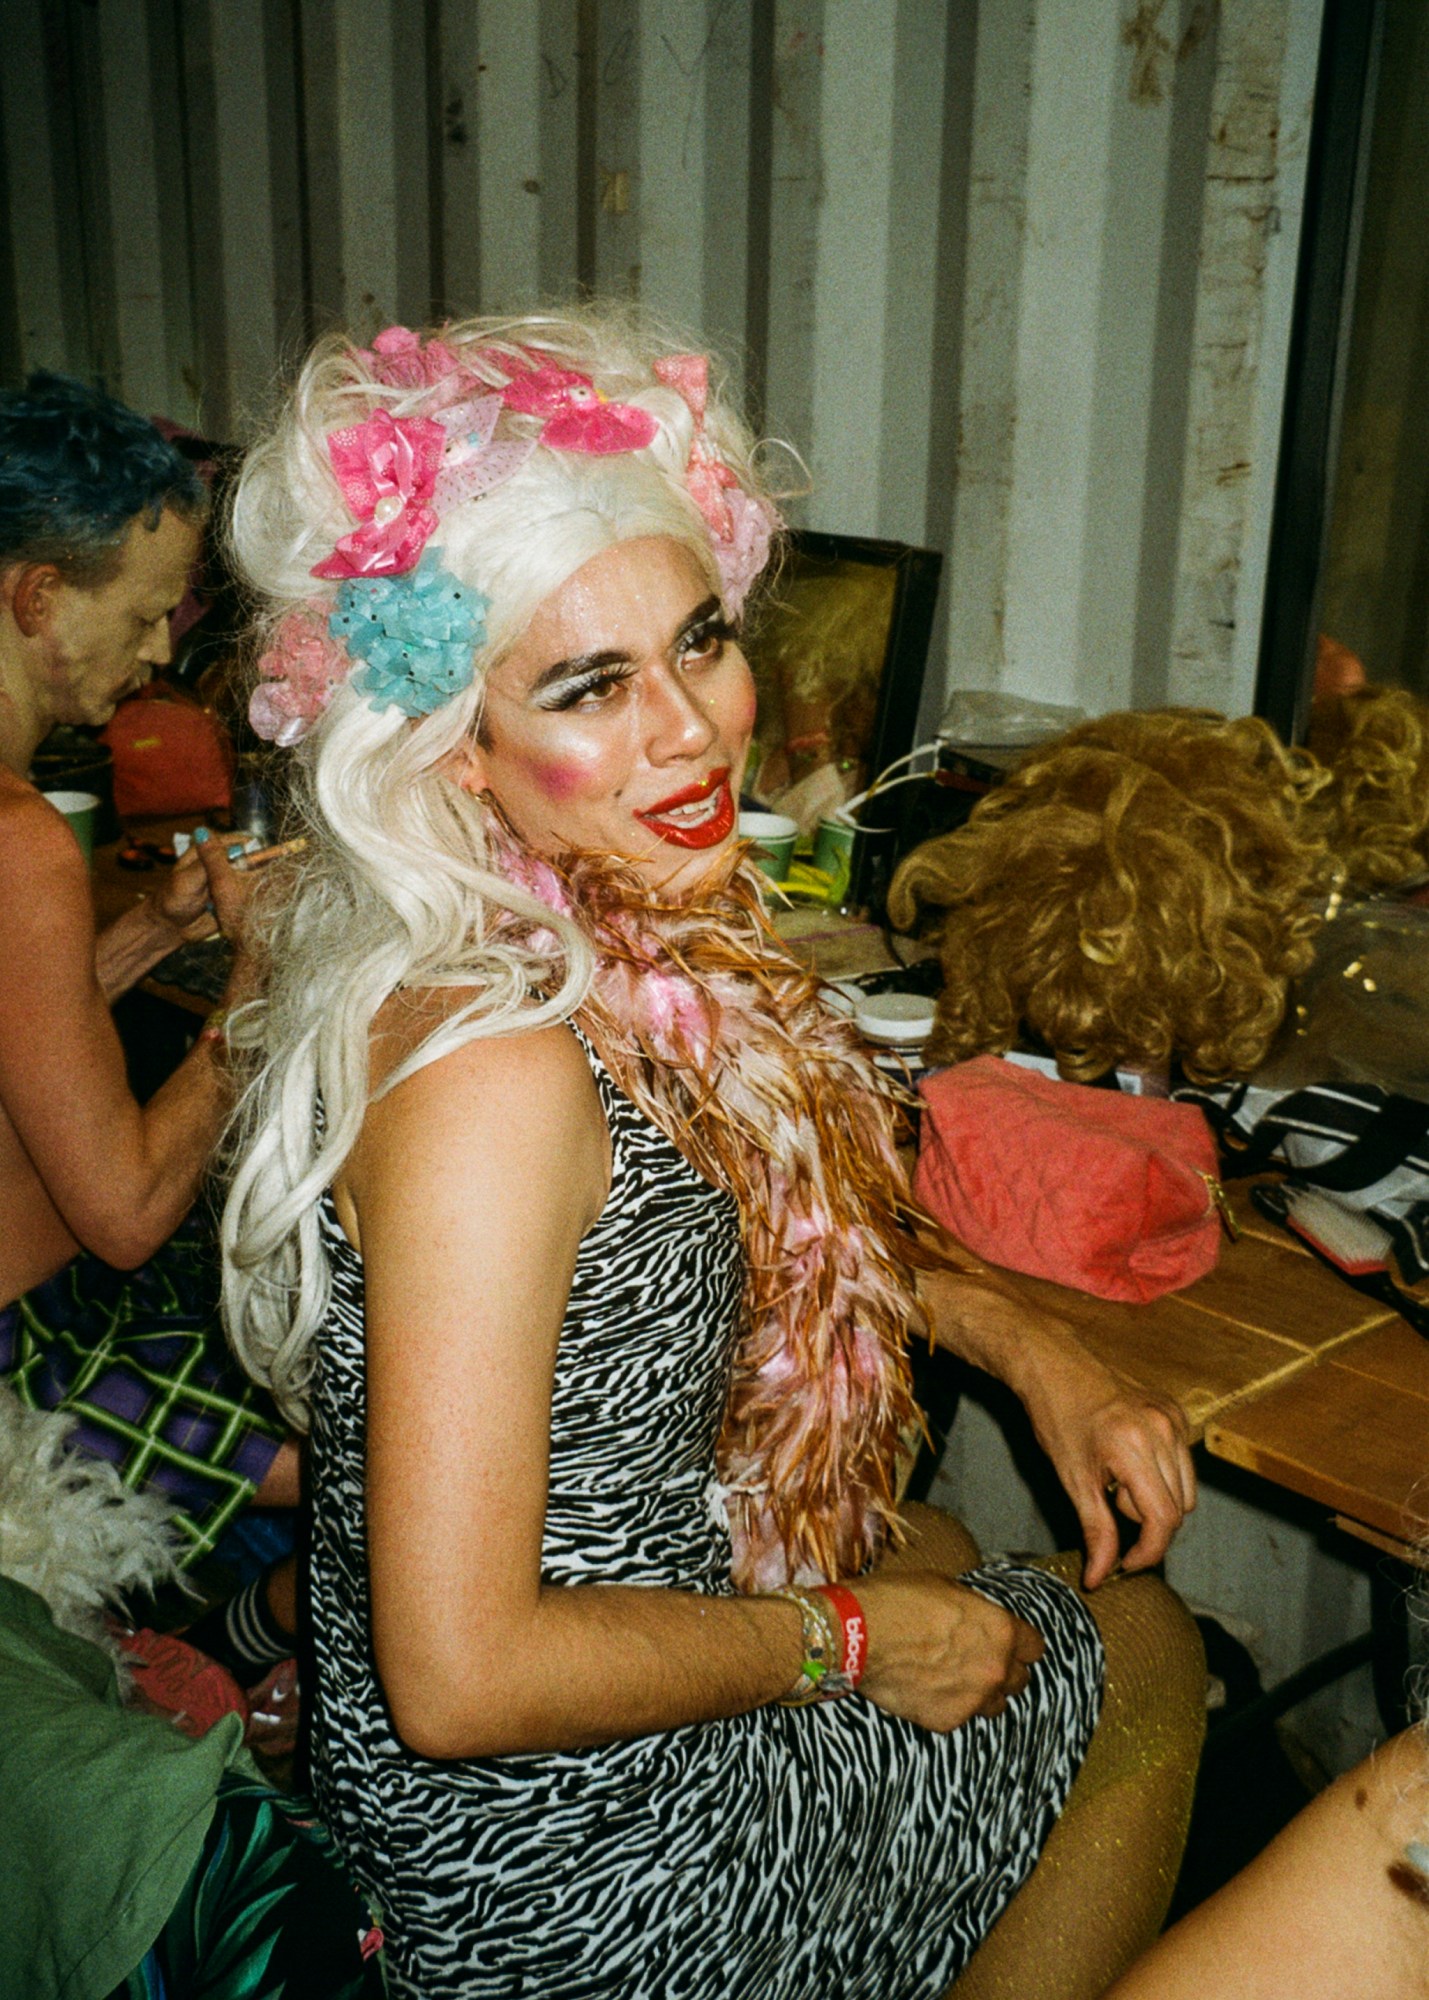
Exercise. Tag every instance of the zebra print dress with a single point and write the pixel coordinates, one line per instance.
(771, 1856)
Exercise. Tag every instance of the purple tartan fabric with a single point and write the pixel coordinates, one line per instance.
(139, 1358)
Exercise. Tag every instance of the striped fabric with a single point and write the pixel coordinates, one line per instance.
(1366, 1146)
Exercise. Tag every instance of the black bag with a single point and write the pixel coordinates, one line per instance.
(1366, 1146)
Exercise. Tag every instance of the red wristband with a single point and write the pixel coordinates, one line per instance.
(855, 1629)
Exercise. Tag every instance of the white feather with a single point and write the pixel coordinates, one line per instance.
(70, 1529)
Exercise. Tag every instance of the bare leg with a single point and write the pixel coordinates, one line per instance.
(1099, 1894)
(280, 1589)
(282, 1483)
(1330, 1910)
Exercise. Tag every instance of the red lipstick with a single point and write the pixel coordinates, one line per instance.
(705, 829)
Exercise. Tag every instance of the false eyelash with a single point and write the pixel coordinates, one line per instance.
(716, 626)
(573, 691)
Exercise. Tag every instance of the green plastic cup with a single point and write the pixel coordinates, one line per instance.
(81, 809)
(833, 856)
(773, 835)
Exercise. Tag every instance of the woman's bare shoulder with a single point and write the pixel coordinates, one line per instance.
(547, 1058)
(491, 1103)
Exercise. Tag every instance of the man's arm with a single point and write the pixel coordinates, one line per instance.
(120, 1176)
(129, 947)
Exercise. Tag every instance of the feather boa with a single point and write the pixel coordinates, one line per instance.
(725, 1043)
(70, 1529)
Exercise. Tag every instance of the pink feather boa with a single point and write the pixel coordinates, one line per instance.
(725, 1042)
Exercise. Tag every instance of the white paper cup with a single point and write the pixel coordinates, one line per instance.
(81, 809)
(773, 835)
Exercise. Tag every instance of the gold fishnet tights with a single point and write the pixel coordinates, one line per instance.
(1099, 1894)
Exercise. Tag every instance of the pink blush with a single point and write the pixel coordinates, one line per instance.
(558, 781)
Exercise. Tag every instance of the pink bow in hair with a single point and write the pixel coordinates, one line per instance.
(474, 462)
(387, 469)
(577, 416)
(403, 360)
(741, 527)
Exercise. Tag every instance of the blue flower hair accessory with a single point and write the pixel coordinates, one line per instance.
(414, 634)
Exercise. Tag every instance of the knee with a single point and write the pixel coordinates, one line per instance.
(1155, 1685)
(934, 1540)
(1149, 1635)
(1155, 1666)
(1151, 1631)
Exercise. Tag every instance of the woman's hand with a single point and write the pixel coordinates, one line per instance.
(1112, 1445)
(939, 1653)
(1109, 1443)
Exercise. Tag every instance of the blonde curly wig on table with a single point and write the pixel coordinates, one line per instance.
(1145, 887)
(1375, 743)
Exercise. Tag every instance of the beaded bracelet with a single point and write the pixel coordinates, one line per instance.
(835, 1634)
(820, 1649)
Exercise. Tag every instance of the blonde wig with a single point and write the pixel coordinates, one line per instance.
(1145, 887)
(1374, 741)
(399, 887)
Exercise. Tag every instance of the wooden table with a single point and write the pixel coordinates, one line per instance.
(1284, 1370)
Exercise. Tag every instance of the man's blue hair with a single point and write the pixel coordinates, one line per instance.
(76, 468)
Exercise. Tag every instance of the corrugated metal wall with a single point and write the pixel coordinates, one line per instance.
(1013, 275)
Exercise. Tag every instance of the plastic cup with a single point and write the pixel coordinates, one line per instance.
(773, 835)
(833, 855)
(81, 809)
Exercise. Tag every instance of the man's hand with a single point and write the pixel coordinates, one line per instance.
(204, 894)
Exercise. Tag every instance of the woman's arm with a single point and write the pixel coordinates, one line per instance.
(120, 1176)
(1105, 1439)
(469, 1191)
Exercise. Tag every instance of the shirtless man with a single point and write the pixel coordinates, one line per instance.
(99, 527)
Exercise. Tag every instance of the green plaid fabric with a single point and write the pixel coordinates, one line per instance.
(139, 1358)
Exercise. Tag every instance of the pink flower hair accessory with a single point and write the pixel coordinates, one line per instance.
(706, 474)
(298, 674)
(387, 469)
(578, 418)
(741, 527)
(744, 555)
(403, 360)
